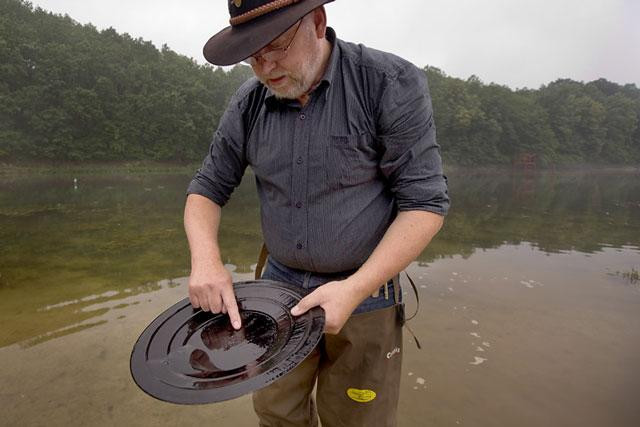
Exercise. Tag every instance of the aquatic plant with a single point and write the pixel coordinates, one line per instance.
(633, 276)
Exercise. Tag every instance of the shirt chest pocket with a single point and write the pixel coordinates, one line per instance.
(350, 160)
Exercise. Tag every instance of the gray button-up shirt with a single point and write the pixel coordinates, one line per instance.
(332, 175)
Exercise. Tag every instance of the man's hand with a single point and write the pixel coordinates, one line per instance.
(338, 299)
(212, 290)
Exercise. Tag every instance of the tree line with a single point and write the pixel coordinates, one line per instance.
(69, 92)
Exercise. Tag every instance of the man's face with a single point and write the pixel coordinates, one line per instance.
(292, 76)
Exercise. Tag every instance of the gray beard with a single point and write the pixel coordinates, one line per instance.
(303, 85)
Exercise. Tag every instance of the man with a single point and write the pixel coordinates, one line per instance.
(342, 143)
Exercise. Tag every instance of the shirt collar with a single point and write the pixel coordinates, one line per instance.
(272, 102)
(333, 58)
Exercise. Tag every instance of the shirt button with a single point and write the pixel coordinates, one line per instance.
(298, 204)
(299, 246)
(302, 116)
(299, 160)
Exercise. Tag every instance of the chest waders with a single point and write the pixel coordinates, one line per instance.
(350, 379)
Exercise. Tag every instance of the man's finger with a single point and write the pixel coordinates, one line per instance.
(229, 301)
(204, 303)
(194, 300)
(215, 302)
(200, 299)
(306, 304)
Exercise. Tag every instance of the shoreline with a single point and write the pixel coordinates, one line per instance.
(13, 170)
(16, 170)
(560, 169)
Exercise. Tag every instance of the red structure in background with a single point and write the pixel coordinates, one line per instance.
(524, 165)
(525, 162)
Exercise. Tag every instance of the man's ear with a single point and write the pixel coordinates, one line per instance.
(320, 21)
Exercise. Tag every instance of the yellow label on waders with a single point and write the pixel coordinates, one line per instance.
(361, 396)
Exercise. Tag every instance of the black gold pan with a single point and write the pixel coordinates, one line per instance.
(189, 356)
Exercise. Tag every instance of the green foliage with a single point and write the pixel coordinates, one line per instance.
(566, 121)
(71, 93)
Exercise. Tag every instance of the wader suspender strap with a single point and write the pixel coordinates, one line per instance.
(404, 320)
(262, 259)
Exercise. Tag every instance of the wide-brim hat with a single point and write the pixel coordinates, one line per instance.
(254, 24)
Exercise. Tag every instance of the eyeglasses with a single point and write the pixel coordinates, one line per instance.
(274, 54)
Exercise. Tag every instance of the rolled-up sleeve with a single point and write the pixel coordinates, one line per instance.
(411, 159)
(224, 165)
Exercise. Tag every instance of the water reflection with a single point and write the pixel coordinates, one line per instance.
(76, 315)
(556, 213)
(73, 251)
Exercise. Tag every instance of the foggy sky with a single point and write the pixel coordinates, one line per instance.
(516, 43)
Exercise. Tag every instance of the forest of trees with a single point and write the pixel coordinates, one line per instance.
(69, 92)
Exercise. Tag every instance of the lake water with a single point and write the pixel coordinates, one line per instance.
(529, 316)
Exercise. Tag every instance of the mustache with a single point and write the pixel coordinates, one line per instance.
(275, 76)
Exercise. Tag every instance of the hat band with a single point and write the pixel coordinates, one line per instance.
(261, 10)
